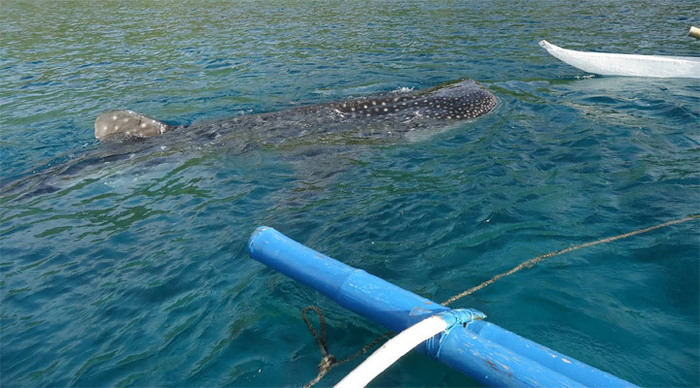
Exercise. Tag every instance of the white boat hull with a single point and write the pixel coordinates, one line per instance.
(630, 65)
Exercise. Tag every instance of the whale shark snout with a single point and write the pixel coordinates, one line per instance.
(387, 115)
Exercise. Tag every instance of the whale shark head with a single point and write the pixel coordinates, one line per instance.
(460, 100)
(119, 125)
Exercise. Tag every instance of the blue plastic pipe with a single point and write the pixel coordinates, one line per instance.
(488, 353)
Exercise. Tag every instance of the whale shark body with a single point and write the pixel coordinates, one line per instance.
(390, 115)
(394, 116)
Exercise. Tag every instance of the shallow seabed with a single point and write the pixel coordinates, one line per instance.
(140, 277)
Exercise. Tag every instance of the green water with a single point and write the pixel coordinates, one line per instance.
(142, 278)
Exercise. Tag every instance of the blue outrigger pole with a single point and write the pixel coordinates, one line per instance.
(488, 353)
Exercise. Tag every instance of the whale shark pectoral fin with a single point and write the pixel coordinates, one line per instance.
(126, 124)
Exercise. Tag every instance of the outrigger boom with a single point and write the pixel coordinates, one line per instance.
(630, 65)
(488, 353)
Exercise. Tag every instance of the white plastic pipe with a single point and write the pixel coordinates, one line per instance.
(392, 350)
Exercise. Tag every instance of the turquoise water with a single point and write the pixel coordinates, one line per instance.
(142, 278)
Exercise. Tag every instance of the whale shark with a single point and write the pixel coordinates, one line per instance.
(129, 138)
(389, 115)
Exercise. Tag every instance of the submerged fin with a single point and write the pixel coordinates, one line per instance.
(125, 124)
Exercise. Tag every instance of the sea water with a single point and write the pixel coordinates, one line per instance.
(142, 277)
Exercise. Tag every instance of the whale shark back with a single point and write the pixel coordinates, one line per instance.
(461, 100)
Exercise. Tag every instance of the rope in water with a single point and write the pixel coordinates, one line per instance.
(530, 263)
(329, 361)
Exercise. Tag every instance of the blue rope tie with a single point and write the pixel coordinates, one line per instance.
(453, 318)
